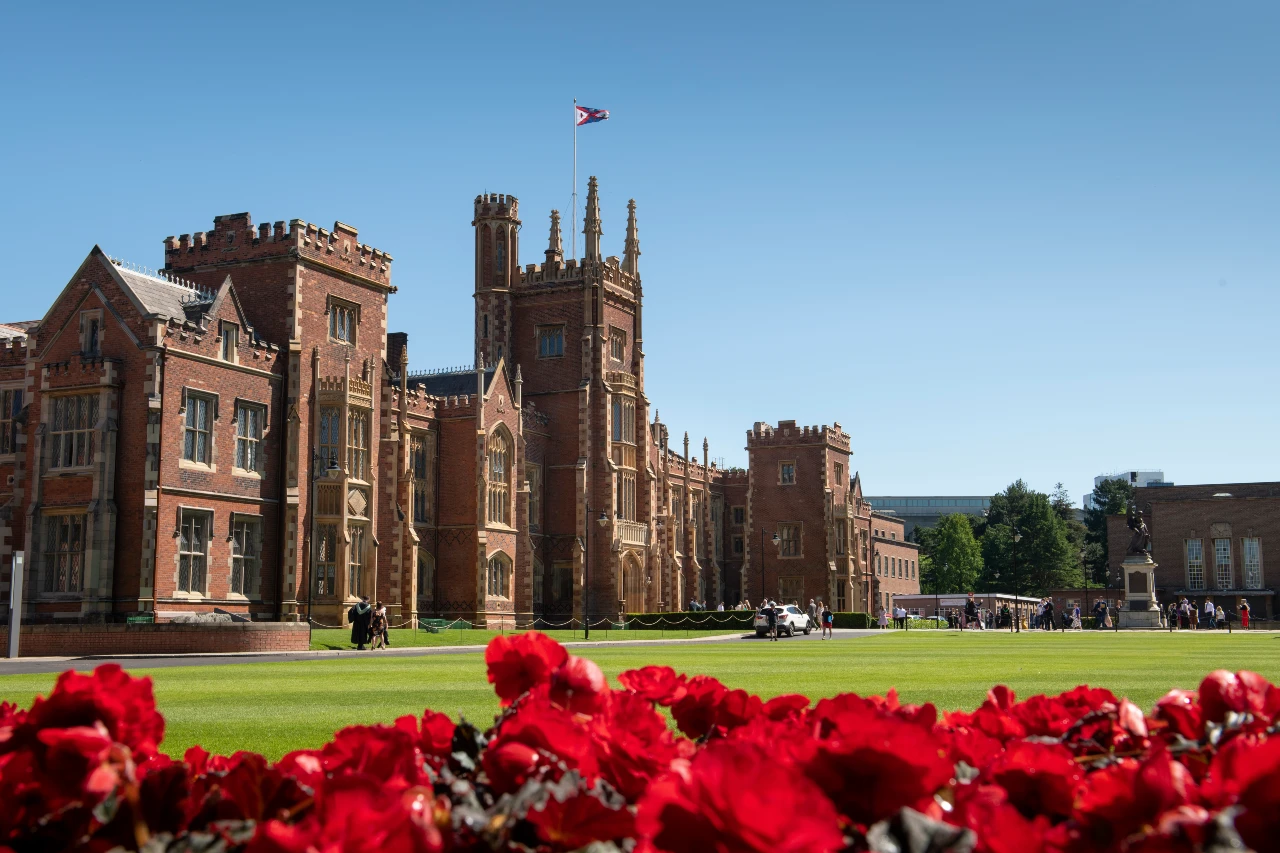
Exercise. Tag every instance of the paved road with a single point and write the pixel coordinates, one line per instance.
(27, 666)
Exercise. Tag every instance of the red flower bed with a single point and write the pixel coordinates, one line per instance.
(571, 763)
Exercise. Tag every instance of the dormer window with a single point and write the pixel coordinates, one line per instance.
(230, 341)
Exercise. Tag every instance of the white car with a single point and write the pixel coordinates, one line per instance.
(790, 620)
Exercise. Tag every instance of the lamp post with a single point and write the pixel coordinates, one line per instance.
(946, 567)
(776, 540)
(586, 569)
(1017, 537)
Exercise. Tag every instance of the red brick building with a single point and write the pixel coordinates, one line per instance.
(1209, 541)
(239, 432)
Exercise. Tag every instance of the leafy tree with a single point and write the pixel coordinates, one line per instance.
(1074, 527)
(955, 553)
(1042, 558)
(1110, 497)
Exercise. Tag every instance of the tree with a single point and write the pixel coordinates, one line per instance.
(1042, 558)
(1110, 497)
(1072, 525)
(955, 555)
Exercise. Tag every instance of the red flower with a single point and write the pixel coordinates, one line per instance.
(787, 706)
(578, 685)
(733, 797)
(695, 712)
(1040, 778)
(1241, 692)
(999, 826)
(1120, 799)
(123, 704)
(508, 765)
(521, 662)
(633, 744)
(658, 684)
(1181, 711)
(1246, 772)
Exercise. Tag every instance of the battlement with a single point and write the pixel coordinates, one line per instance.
(787, 433)
(234, 239)
(565, 273)
(731, 476)
(497, 205)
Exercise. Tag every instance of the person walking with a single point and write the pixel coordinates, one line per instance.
(812, 610)
(1210, 613)
(771, 615)
(1076, 624)
(378, 627)
(1244, 614)
(883, 621)
(360, 615)
(971, 612)
(828, 623)
(1047, 620)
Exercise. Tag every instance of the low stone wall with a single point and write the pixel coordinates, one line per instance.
(166, 638)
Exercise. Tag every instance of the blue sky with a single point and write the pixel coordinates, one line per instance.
(993, 240)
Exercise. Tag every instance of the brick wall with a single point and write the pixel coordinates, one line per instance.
(159, 639)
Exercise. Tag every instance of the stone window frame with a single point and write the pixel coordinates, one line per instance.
(1218, 568)
(498, 575)
(260, 442)
(797, 540)
(335, 308)
(533, 476)
(783, 466)
(1194, 565)
(359, 538)
(421, 447)
(548, 333)
(326, 572)
(426, 569)
(229, 341)
(841, 531)
(94, 414)
(11, 397)
(1246, 561)
(539, 582)
(617, 344)
(359, 455)
(839, 474)
(739, 515)
(498, 503)
(335, 449)
(47, 576)
(253, 591)
(182, 513)
(739, 546)
(212, 398)
(91, 333)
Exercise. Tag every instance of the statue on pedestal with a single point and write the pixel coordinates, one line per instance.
(1140, 543)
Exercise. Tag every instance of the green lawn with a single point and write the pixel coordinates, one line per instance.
(340, 638)
(272, 708)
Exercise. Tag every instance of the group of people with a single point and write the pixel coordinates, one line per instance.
(817, 611)
(369, 624)
(898, 614)
(1184, 614)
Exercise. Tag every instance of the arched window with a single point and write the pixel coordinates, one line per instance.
(499, 582)
(500, 478)
(500, 258)
(426, 576)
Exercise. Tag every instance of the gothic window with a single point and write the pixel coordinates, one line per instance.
(787, 473)
(698, 538)
(421, 447)
(738, 546)
(499, 478)
(1222, 562)
(500, 259)
(193, 553)
(326, 559)
(91, 333)
(533, 473)
(330, 436)
(246, 549)
(839, 475)
(358, 444)
(357, 553)
(550, 341)
(64, 537)
(790, 544)
(10, 407)
(197, 441)
(426, 576)
(840, 534)
(248, 436)
(72, 430)
(539, 578)
(624, 419)
(499, 584)
(230, 341)
(626, 497)
(1251, 548)
(617, 344)
(739, 515)
(343, 318)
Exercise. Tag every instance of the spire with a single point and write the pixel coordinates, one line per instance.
(555, 246)
(631, 249)
(686, 445)
(591, 222)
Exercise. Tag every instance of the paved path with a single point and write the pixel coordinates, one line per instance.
(27, 666)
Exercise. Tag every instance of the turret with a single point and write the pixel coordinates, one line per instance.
(631, 248)
(497, 225)
(591, 230)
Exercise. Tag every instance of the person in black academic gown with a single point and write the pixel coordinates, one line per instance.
(360, 615)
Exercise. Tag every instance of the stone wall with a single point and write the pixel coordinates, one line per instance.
(158, 639)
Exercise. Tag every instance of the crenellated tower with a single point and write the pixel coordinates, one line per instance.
(497, 225)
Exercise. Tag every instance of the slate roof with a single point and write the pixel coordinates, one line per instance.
(452, 384)
(17, 329)
(165, 298)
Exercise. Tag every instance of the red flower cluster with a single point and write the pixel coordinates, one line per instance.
(572, 763)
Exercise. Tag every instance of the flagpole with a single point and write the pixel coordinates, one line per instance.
(573, 221)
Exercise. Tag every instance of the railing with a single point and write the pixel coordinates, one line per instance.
(632, 533)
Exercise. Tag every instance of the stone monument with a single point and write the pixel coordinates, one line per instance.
(1141, 610)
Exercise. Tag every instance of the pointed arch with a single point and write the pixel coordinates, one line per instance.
(500, 458)
(632, 584)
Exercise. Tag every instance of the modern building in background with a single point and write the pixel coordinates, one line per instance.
(1139, 479)
(925, 510)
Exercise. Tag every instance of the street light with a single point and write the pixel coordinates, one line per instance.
(776, 540)
(586, 569)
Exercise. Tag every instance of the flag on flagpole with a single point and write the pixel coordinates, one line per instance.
(586, 115)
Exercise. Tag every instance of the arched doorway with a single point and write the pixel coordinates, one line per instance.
(632, 585)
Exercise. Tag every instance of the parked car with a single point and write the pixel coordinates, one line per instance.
(790, 620)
